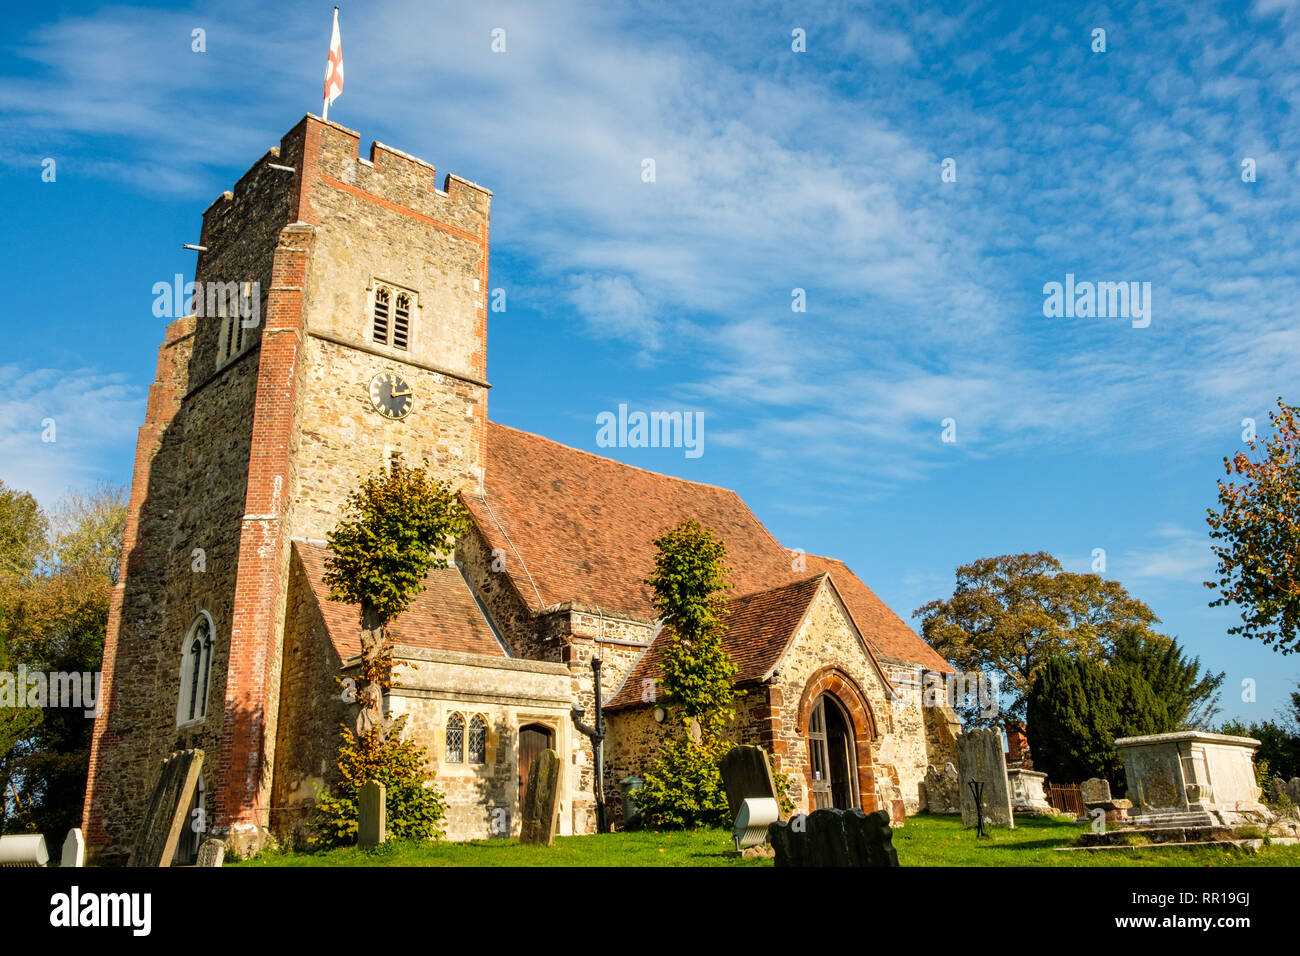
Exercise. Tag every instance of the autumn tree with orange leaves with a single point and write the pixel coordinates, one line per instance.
(1258, 530)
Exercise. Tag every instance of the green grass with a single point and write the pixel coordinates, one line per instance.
(924, 841)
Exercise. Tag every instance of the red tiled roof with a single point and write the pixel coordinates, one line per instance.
(444, 616)
(584, 526)
(886, 631)
(759, 626)
(576, 527)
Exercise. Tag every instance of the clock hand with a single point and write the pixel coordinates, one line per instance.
(399, 394)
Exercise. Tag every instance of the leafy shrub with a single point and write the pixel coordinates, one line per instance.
(683, 787)
(414, 809)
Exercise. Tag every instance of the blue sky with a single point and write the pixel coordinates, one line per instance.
(775, 170)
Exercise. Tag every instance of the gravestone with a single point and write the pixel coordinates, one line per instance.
(942, 789)
(537, 827)
(168, 811)
(1095, 790)
(834, 838)
(23, 849)
(746, 773)
(1095, 793)
(1027, 794)
(1284, 790)
(74, 849)
(980, 758)
(372, 815)
(211, 853)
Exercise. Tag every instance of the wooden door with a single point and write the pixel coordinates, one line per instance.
(533, 739)
(818, 758)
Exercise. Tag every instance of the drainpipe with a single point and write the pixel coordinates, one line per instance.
(597, 737)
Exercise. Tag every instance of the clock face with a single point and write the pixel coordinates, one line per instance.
(390, 395)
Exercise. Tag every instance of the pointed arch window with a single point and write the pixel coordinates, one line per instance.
(195, 671)
(477, 747)
(455, 739)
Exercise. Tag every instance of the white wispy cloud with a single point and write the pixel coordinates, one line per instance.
(63, 430)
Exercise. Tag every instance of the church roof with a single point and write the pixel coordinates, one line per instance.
(443, 617)
(576, 527)
(882, 627)
(759, 627)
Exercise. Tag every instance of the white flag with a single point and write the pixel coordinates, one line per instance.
(334, 67)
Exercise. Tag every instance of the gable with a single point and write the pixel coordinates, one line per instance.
(885, 630)
(828, 636)
(759, 628)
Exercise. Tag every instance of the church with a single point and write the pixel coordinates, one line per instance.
(367, 336)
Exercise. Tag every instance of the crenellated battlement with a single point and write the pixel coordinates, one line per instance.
(324, 153)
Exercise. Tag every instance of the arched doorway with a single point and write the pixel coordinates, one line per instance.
(832, 755)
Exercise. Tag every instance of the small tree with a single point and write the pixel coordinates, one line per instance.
(1077, 708)
(399, 525)
(1258, 528)
(683, 788)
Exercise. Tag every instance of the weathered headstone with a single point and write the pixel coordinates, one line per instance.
(211, 853)
(74, 849)
(372, 815)
(746, 773)
(537, 826)
(1027, 795)
(980, 758)
(834, 838)
(941, 789)
(168, 811)
(1095, 790)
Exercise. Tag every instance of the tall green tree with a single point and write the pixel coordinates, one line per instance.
(683, 787)
(24, 530)
(1009, 614)
(53, 620)
(1189, 693)
(1077, 708)
(1257, 530)
(398, 525)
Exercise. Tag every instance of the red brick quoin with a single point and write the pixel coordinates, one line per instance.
(831, 680)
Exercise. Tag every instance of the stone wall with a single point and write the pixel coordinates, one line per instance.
(312, 710)
(825, 646)
(509, 695)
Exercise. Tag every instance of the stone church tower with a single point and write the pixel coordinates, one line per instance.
(363, 332)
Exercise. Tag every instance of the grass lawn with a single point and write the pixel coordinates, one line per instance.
(925, 841)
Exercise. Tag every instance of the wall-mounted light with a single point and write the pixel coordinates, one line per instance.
(660, 715)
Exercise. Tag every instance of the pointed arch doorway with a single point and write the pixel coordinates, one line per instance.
(832, 755)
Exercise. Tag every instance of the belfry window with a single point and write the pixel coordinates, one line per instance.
(195, 672)
(455, 739)
(392, 312)
(230, 305)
